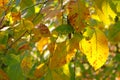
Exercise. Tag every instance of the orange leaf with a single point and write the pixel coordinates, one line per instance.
(41, 43)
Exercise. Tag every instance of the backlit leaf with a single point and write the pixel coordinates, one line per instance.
(104, 11)
(40, 70)
(78, 13)
(96, 49)
(41, 43)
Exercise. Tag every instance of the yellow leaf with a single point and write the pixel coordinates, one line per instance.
(40, 70)
(28, 24)
(104, 11)
(41, 43)
(78, 13)
(96, 49)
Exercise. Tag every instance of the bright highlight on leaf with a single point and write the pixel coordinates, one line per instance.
(40, 70)
(96, 49)
(41, 43)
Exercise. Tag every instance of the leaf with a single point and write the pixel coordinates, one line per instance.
(25, 5)
(78, 13)
(3, 2)
(28, 25)
(105, 13)
(40, 70)
(14, 70)
(3, 75)
(26, 64)
(56, 74)
(58, 58)
(114, 32)
(41, 43)
(64, 29)
(43, 29)
(63, 52)
(16, 16)
(96, 49)
(37, 19)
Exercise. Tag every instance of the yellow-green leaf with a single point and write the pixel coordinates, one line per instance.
(40, 70)
(62, 52)
(96, 49)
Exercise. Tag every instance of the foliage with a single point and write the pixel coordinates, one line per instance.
(59, 39)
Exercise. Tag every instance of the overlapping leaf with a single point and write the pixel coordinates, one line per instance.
(78, 13)
(104, 11)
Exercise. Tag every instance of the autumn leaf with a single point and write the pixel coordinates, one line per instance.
(26, 64)
(3, 2)
(3, 75)
(104, 12)
(40, 70)
(96, 49)
(41, 43)
(78, 13)
(58, 58)
(16, 16)
(62, 53)
(43, 29)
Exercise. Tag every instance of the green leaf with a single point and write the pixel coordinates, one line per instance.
(114, 32)
(14, 70)
(3, 37)
(26, 7)
(64, 29)
(37, 19)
